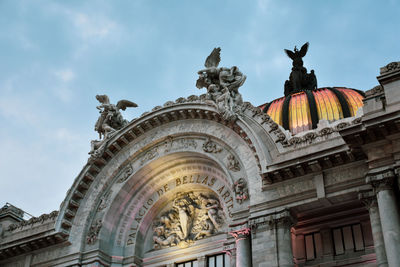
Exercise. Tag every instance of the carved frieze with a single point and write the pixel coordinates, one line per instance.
(192, 217)
(240, 190)
(94, 232)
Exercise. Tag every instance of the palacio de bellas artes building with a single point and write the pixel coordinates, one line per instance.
(309, 179)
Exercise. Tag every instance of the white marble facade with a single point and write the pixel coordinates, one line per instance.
(184, 183)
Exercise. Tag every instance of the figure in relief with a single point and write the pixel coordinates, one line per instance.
(222, 85)
(192, 217)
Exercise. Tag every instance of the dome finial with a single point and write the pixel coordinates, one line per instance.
(299, 79)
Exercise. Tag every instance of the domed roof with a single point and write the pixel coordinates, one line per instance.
(302, 111)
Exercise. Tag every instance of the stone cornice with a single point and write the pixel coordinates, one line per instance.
(310, 164)
(31, 243)
(32, 222)
(389, 73)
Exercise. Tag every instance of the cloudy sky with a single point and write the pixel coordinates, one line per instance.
(55, 56)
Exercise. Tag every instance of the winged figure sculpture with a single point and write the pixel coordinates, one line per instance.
(299, 79)
(111, 119)
(297, 55)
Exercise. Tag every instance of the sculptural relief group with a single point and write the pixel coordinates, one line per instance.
(193, 216)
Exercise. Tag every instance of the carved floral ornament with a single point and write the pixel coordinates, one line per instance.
(94, 232)
(193, 216)
(233, 163)
(241, 191)
(211, 147)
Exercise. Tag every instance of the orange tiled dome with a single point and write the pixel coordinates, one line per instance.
(302, 111)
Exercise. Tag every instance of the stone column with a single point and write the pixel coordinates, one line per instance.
(243, 249)
(382, 182)
(369, 199)
(284, 223)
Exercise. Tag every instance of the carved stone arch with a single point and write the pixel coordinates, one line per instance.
(165, 176)
(102, 173)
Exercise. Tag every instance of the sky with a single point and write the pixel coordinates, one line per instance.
(55, 56)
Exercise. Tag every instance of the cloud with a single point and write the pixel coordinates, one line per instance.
(65, 75)
(93, 26)
(18, 109)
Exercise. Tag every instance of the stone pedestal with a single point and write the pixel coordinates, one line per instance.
(369, 199)
(388, 211)
(243, 249)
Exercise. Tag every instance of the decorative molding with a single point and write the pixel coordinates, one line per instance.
(33, 221)
(149, 155)
(211, 147)
(94, 231)
(126, 173)
(391, 67)
(377, 90)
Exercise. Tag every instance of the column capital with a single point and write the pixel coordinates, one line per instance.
(242, 233)
(280, 219)
(284, 220)
(368, 198)
(381, 179)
